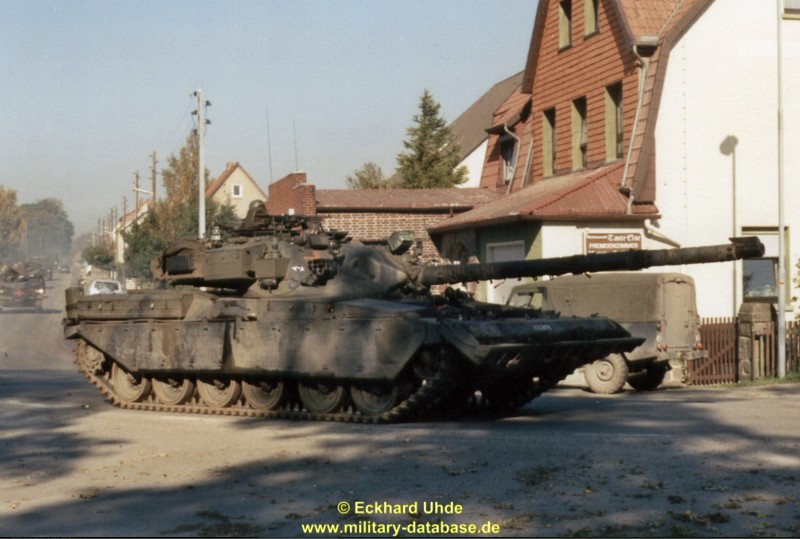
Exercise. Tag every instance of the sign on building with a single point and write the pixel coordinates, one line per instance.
(609, 242)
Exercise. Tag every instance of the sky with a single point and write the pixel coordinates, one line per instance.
(89, 89)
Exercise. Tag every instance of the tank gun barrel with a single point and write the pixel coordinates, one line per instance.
(742, 247)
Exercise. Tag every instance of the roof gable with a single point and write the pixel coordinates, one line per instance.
(229, 171)
(642, 33)
(469, 128)
(637, 19)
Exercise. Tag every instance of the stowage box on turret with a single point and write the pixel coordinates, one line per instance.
(284, 319)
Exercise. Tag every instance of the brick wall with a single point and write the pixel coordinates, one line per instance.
(370, 226)
(292, 193)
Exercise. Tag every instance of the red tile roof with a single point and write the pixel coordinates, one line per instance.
(583, 195)
(329, 200)
(649, 17)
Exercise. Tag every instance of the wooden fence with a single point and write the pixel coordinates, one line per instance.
(721, 338)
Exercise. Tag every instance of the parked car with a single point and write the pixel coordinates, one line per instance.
(660, 307)
(104, 286)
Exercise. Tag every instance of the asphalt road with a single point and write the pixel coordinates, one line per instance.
(684, 462)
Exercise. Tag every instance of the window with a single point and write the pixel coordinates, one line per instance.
(236, 191)
(549, 142)
(580, 133)
(591, 21)
(499, 290)
(759, 279)
(760, 275)
(614, 122)
(791, 9)
(508, 150)
(564, 24)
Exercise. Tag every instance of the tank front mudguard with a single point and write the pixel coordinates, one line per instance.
(535, 345)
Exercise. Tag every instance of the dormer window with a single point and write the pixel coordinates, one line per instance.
(508, 150)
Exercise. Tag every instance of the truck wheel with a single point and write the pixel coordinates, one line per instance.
(647, 380)
(607, 375)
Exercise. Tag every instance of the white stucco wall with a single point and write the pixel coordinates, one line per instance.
(721, 82)
(474, 163)
(249, 192)
(567, 239)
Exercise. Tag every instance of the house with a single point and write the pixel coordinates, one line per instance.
(124, 223)
(469, 129)
(235, 188)
(652, 121)
(371, 215)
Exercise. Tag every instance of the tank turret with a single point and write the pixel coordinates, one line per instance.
(275, 316)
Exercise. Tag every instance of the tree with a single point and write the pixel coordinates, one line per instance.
(370, 176)
(174, 217)
(144, 242)
(100, 256)
(432, 155)
(48, 229)
(178, 211)
(12, 225)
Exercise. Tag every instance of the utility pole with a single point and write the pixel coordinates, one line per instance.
(135, 190)
(120, 264)
(781, 280)
(153, 176)
(269, 149)
(201, 165)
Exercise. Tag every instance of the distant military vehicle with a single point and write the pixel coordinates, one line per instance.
(284, 319)
(660, 307)
(22, 287)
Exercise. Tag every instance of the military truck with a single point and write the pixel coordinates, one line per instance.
(659, 307)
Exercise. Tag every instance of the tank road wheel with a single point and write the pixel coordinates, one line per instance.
(374, 399)
(219, 393)
(265, 394)
(173, 391)
(322, 397)
(647, 380)
(89, 359)
(607, 375)
(127, 386)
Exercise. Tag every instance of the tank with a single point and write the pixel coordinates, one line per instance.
(280, 318)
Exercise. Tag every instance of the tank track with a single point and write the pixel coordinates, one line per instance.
(423, 402)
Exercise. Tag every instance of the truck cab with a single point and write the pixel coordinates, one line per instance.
(659, 307)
